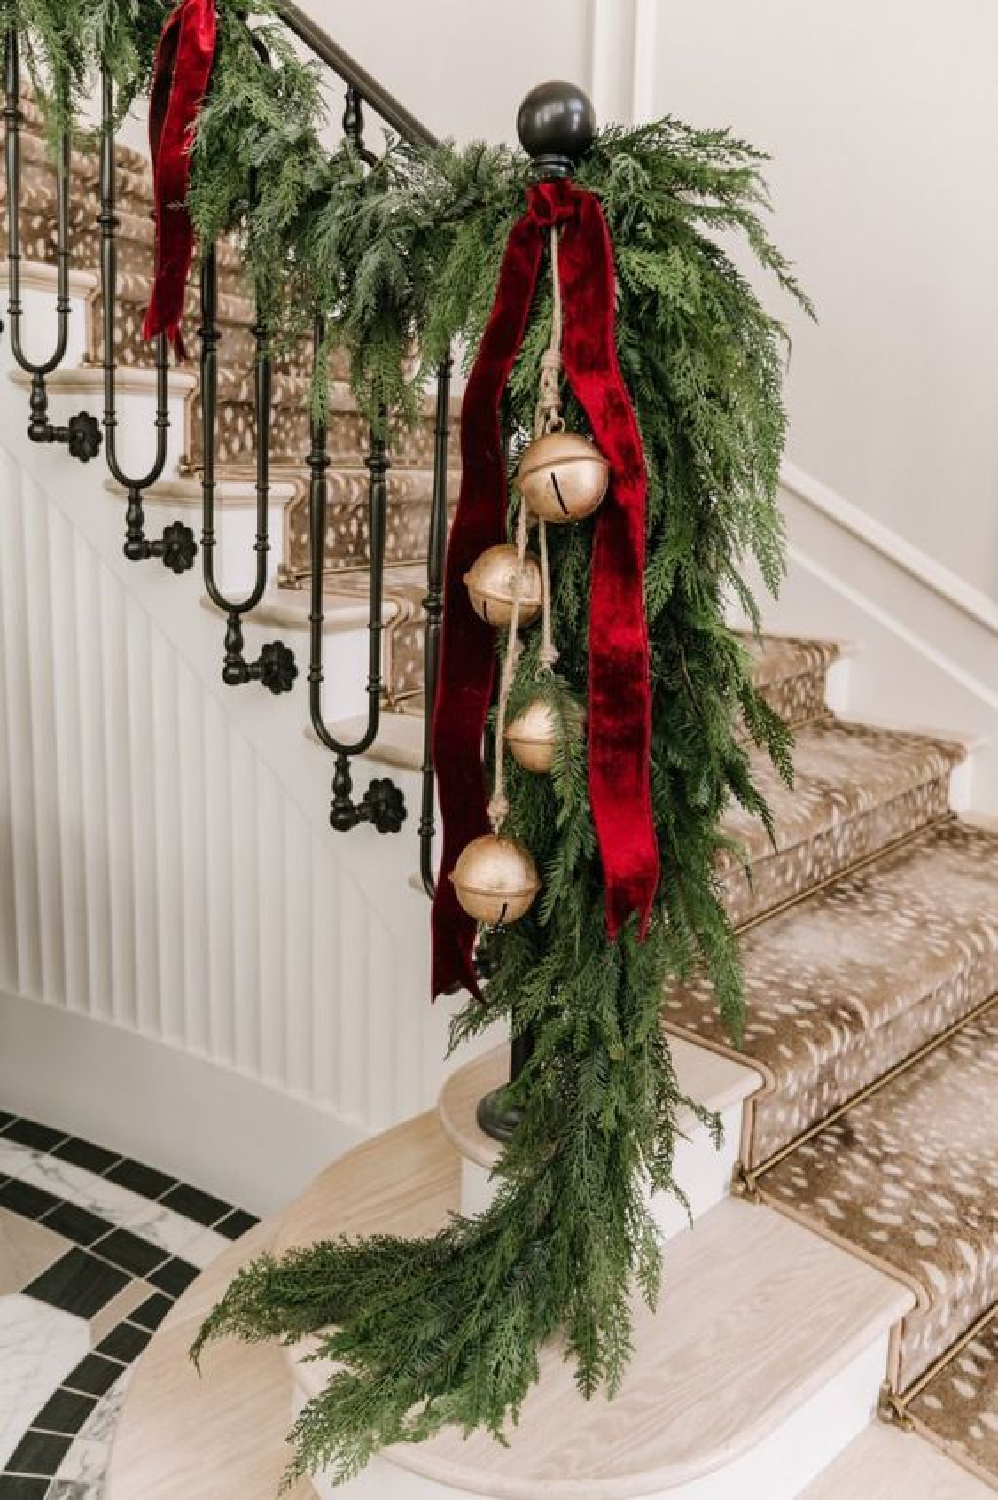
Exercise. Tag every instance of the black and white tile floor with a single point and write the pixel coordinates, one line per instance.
(94, 1249)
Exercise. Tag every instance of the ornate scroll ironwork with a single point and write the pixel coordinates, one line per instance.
(82, 434)
(275, 667)
(176, 548)
(382, 805)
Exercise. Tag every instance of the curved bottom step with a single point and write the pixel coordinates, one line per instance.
(762, 1364)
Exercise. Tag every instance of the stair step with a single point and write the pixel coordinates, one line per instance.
(958, 1408)
(856, 790)
(884, 1464)
(718, 1083)
(348, 432)
(762, 1362)
(845, 985)
(908, 1177)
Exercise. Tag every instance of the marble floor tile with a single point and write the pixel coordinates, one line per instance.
(94, 1249)
(40, 1345)
(26, 1250)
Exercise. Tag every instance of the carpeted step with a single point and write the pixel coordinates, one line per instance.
(349, 431)
(789, 673)
(845, 985)
(908, 1178)
(856, 790)
(958, 1408)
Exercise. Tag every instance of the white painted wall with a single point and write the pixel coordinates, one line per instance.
(461, 68)
(882, 123)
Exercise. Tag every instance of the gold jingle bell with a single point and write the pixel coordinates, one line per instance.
(563, 477)
(491, 582)
(533, 736)
(495, 879)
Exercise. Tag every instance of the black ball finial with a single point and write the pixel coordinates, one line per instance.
(556, 124)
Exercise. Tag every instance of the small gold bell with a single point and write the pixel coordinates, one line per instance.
(495, 879)
(533, 736)
(563, 477)
(491, 582)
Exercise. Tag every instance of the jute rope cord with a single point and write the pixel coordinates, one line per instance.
(547, 418)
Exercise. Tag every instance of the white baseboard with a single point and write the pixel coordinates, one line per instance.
(928, 642)
(255, 1146)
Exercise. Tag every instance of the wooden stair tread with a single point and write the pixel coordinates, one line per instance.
(757, 1314)
(884, 1464)
(715, 1081)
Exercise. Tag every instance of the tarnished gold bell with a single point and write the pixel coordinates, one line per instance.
(495, 879)
(491, 581)
(563, 477)
(533, 736)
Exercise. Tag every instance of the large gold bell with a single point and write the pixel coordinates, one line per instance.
(563, 477)
(491, 582)
(495, 879)
(533, 736)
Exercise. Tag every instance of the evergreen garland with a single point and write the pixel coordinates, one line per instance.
(404, 256)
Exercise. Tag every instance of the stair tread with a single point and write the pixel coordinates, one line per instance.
(787, 1311)
(909, 1177)
(843, 985)
(714, 1081)
(884, 1464)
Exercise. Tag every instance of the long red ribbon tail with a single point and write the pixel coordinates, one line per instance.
(467, 663)
(619, 667)
(181, 75)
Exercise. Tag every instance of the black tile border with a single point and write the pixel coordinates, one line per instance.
(39, 1453)
(101, 1260)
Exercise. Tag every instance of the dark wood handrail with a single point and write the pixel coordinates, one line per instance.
(371, 91)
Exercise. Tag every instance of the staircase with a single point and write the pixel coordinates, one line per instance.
(842, 1257)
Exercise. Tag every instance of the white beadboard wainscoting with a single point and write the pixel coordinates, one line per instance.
(170, 891)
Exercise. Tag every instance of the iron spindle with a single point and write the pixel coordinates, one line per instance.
(176, 548)
(382, 805)
(433, 610)
(82, 434)
(275, 667)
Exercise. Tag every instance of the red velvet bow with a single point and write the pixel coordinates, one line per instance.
(619, 724)
(181, 74)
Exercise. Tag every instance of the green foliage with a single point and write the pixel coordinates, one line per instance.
(403, 256)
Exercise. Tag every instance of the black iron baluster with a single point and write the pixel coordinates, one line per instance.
(176, 548)
(353, 124)
(433, 611)
(382, 805)
(275, 667)
(82, 434)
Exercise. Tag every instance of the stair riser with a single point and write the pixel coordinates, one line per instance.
(703, 1170)
(778, 1119)
(779, 1467)
(349, 432)
(783, 877)
(347, 534)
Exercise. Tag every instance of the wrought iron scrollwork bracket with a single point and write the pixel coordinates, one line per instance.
(81, 435)
(275, 668)
(383, 805)
(176, 549)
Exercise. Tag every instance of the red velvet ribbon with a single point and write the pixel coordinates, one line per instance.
(181, 74)
(619, 724)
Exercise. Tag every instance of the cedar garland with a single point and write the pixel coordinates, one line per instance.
(447, 1330)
